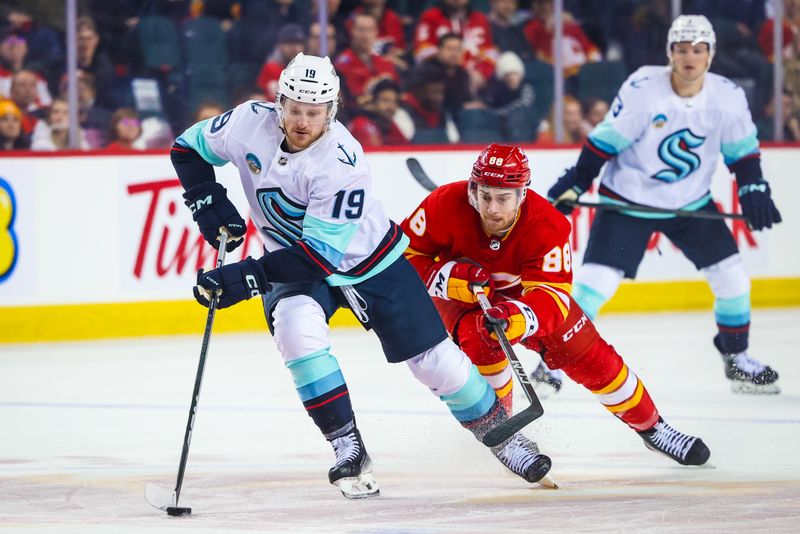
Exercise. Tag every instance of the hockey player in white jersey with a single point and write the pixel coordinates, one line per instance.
(328, 244)
(660, 143)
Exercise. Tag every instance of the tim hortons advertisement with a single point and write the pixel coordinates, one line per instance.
(115, 229)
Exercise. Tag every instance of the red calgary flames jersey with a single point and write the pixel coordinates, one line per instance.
(531, 263)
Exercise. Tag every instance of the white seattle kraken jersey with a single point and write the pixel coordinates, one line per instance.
(666, 147)
(322, 195)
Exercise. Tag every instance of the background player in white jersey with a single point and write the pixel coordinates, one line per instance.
(329, 244)
(660, 143)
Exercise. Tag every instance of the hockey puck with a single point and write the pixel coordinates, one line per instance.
(178, 510)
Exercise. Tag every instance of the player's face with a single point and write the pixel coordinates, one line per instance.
(690, 62)
(497, 207)
(303, 123)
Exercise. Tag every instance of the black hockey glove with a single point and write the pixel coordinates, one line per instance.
(757, 205)
(212, 210)
(235, 281)
(566, 188)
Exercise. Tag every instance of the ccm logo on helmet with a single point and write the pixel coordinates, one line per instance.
(493, 174)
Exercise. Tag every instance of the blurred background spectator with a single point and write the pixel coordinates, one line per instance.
(11, 134)
(125, 132)
(360, 66)
(422, 116)
(575, 128)
(419, 71)
(375, 126)
(52, 133)
(291, 41)
(594, 111)
(576, 46)
(506, 22)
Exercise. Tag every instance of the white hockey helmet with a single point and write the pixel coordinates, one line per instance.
(310, 79)
(692, 29)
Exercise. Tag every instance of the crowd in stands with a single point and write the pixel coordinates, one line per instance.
(412, 71)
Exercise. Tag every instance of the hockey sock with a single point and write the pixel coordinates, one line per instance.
(493, 365)
(733, 322)
(603, 372)
(321, 386)
(473, 400)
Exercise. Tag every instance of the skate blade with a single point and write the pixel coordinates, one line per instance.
(748, 388)
(548, 482)
(362, 487)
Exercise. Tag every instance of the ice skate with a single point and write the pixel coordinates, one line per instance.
(748, 375)
(522, 457)
(352, 473)
(684, 449)
(547, 381)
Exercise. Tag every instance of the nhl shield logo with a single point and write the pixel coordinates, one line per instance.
(253, 163)
(282, 161)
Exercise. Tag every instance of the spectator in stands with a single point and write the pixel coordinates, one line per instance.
(13, 61)
(460, 87)
(375, 126)
(11, 134)
(791, 121)
(336, 18)
(359, 66)
(125, 132)
(422, 116)
(506, 23)
(94, 62)
(53, 133)
(791, 25)
(391, 41)
(207, 110)
(253, 37)
(37, 23)
(576, 47)
(27, 93)
(594, 111)
(644, 34)
(291, 41)
(92, 117)
(511, 98)
(575, 129)
(456, 16)
(313, 44)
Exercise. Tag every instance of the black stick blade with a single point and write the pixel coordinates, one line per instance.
(512, 425)
(419, 174)
(178, 511)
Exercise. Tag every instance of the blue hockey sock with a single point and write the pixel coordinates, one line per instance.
(321, 386)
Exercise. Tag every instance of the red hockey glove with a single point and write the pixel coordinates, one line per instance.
(516, 318)
(453, 280)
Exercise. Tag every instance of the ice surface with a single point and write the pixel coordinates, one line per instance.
(84, 426)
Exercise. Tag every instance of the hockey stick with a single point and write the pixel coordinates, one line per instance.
(419, 174)
(515, 423)
(158, 496)
(651, 209)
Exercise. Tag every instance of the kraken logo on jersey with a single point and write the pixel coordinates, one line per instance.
(676, 152)
(283, 214)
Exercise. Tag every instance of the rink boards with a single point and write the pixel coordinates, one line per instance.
(102, 246)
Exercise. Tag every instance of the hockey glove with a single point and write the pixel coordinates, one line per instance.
(235, 281)
(516, 318)
(212, 211)
(453, 280)
(566, 188)
(757, 205)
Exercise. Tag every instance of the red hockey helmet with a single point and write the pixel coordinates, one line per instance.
(501, 166)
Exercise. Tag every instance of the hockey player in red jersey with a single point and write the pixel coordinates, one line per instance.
(494, 232)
